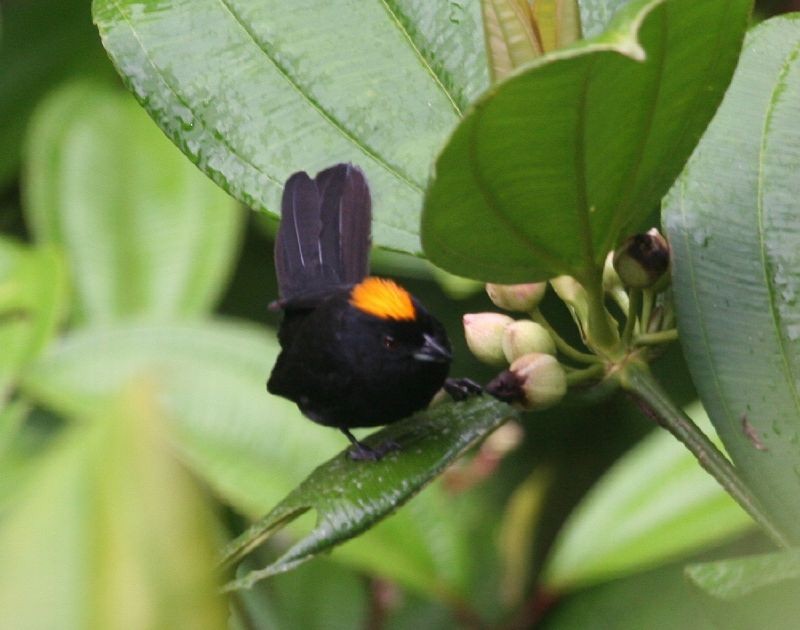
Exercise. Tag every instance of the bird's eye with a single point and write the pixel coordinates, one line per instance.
(389, 342)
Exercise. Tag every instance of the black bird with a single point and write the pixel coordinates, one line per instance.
(356, 350)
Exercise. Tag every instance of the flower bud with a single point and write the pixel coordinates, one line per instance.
(484, 335)
(523, 337)
(642, 259)
(517, 297)
(534, 381)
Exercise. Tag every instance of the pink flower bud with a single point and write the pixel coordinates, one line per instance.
(484, 335)
(524, 337)
(523, 298)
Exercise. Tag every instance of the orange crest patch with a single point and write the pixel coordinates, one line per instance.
(382, 298)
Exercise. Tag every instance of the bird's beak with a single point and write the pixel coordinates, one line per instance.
(433, 351)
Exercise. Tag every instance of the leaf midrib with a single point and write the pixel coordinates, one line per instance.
(328, 117)
(394, 13)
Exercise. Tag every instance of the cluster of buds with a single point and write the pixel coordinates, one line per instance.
(634, 276)
(535, 379)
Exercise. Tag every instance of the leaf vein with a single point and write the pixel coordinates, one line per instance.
(324, 114)
(765, 262)
(394, 12)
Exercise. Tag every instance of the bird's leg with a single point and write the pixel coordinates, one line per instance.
(462, 388)
(362, 452)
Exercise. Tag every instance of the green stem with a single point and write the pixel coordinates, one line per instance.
(648, 298)
(593, 372)
(633, 313)
(602, 335)
(656, 338)
(638, 381)
(563, 346)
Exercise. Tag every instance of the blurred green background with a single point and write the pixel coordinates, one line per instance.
(136, 436)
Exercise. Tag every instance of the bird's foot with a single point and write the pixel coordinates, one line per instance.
(462, 388)
(361, 452)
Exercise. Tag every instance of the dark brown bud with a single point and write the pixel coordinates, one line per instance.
(642, 259)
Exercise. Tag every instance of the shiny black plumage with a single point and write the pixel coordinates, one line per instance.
(345, 367)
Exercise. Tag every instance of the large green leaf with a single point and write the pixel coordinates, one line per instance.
(252, 448)
(145, 234)
(732, 223)
(340, 599)
(110, 532)
(252, 90)
(656, 600)
(349, 496)
(43, 42)
(555, 163)
(655, 504)
(596, 15)
(731, 579)
(755, 591)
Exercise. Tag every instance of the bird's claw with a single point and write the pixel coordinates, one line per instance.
(361, 452)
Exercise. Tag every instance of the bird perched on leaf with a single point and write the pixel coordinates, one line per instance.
(356, 350)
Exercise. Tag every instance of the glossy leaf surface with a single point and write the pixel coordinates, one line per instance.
(732, 222)
(655, 504)
(144, 233)
(252, 91)
(554, 164)
(596, 15)
(251, 448)
(109, 531)
(350, 496)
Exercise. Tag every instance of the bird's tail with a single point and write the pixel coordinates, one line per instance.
(324, 236)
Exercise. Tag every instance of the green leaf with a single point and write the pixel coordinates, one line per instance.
(654, 505)
(33, 296)
(252, 90)
(656, 600)
(596, 15)
(339, 595)
(732, 223)
(145, 234)
(552, 166)
(732, 579)
(250, 447)
(350, 496)
(110, 532)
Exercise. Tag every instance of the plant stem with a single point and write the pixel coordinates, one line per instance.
(648, 299)
(633, 313)
(602, 335)
(563, 346)
(593, 372)
(638, 381)
(655, 338)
